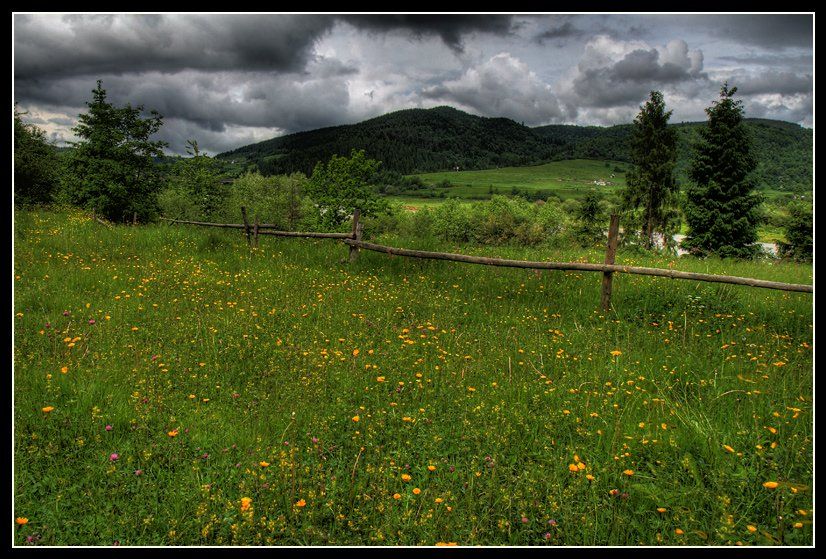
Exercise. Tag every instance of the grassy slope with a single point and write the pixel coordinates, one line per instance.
(498, 378)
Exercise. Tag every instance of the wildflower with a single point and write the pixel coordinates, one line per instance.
(438, 500)
(379, 379)
(91, 321)
(614, 492)
(173, 433)
(113, 457)
(301, 503)
(246, 502)
(405, 477)
(64, 370)
(616, 353)
(356, 352)
(728, 448)
(751, 528)
(108, 427)
(770, 484)
(397, 496)
(47, 409)
(138, 472)
(356, 418)
(21, 520)
(431, 468)
(573, 468)
(263, 464)
(628, 472)
(661, 509)
(589, 477)
(416, 490)
(679, 532)
(798, 525)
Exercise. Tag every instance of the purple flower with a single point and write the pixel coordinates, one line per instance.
(547, 535)
(138, 472)
(91, 321)
(65, 313)
(524, 520)
(315, 440)
(552, 522)
(113, 457)
(108, 427)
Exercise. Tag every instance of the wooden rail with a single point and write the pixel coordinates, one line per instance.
(354, 241)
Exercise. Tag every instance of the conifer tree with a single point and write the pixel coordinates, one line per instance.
(721, 207)
(650, 183)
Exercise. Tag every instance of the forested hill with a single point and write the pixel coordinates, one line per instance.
(442, 138)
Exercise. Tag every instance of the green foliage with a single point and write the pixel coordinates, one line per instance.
(36, 165)
(799, 232)
(650, 183)
(194, 187)
(590, 215)
(278, 200)
(721, 208)
(343, 184)
(111, 169)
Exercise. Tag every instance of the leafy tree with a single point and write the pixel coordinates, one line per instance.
(721, 208)
(799, 229)
(343, 184)
(111, 170)
(650, 183)
(36, 166)
(197, 179)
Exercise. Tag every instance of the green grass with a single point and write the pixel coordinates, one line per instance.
(498, 378)
(567, 179)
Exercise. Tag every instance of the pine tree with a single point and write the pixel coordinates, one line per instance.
(650, 183)
(111, 170)
(721, 207)
(36, 166)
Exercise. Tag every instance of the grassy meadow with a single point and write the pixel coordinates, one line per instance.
(567, 179)
(174, 387)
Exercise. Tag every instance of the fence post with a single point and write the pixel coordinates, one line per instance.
(134, 218)
(255, 232)
(354, 251)
(246, 224)
(610, 253)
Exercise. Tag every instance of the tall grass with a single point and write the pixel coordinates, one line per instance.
(395, 401)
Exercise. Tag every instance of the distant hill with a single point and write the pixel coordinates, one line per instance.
(442, 138)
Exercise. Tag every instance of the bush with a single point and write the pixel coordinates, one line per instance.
(451, 221)
(799, 229)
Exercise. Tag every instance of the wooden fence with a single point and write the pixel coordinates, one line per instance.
(608, 268)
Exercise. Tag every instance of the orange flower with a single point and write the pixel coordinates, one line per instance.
(64, 370)
(396, 496)
(616, 352)
(21, 520)
(751, 528)
(301, 503)
(431, 468)
(679, 532)
(728, 448)
(628, 472)
(173, 433)
(246, 502)
(770, 484)
(416, 490)
(356, 352)
(47, 409)
(356, 418)
(263, 464)
(405, 477)
(661, 509)
(573, 468)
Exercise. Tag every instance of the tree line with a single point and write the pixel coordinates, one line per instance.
(114, 171)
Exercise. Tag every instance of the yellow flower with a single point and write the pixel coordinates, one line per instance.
(21, 520)
(661, 509)
(379, 379)
(679, 532)
(628, 472)
(431, 468)
(396, 496)
(246, 502)
(263, 464)
(589, 477)
(356, 418)
(301, 503)
(616, 352)
(356, 352)
(728, 448)
(64, 370)
(770, 484)
(751, 528)
(416, 490)
(439, 500)
(573, 468)
(173, 433)
(405, 477)
(47, 409)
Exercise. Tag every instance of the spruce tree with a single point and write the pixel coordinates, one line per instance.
(650, 183)
(111, 169)
(721, 207)
(36, 165)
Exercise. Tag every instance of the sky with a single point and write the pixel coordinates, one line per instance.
(227, 80)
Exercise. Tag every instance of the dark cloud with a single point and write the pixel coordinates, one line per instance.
(770, 31)
(51, 45)
(603, 81)
(450, 28)
(783, 83)
(772, 60)
(502, 86)
(565, 29)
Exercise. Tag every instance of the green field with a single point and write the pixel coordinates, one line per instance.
(567, 179)
(173, 387)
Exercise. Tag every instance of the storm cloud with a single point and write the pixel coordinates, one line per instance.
(232, 79)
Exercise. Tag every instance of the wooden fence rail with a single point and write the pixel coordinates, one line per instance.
(353, 239)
